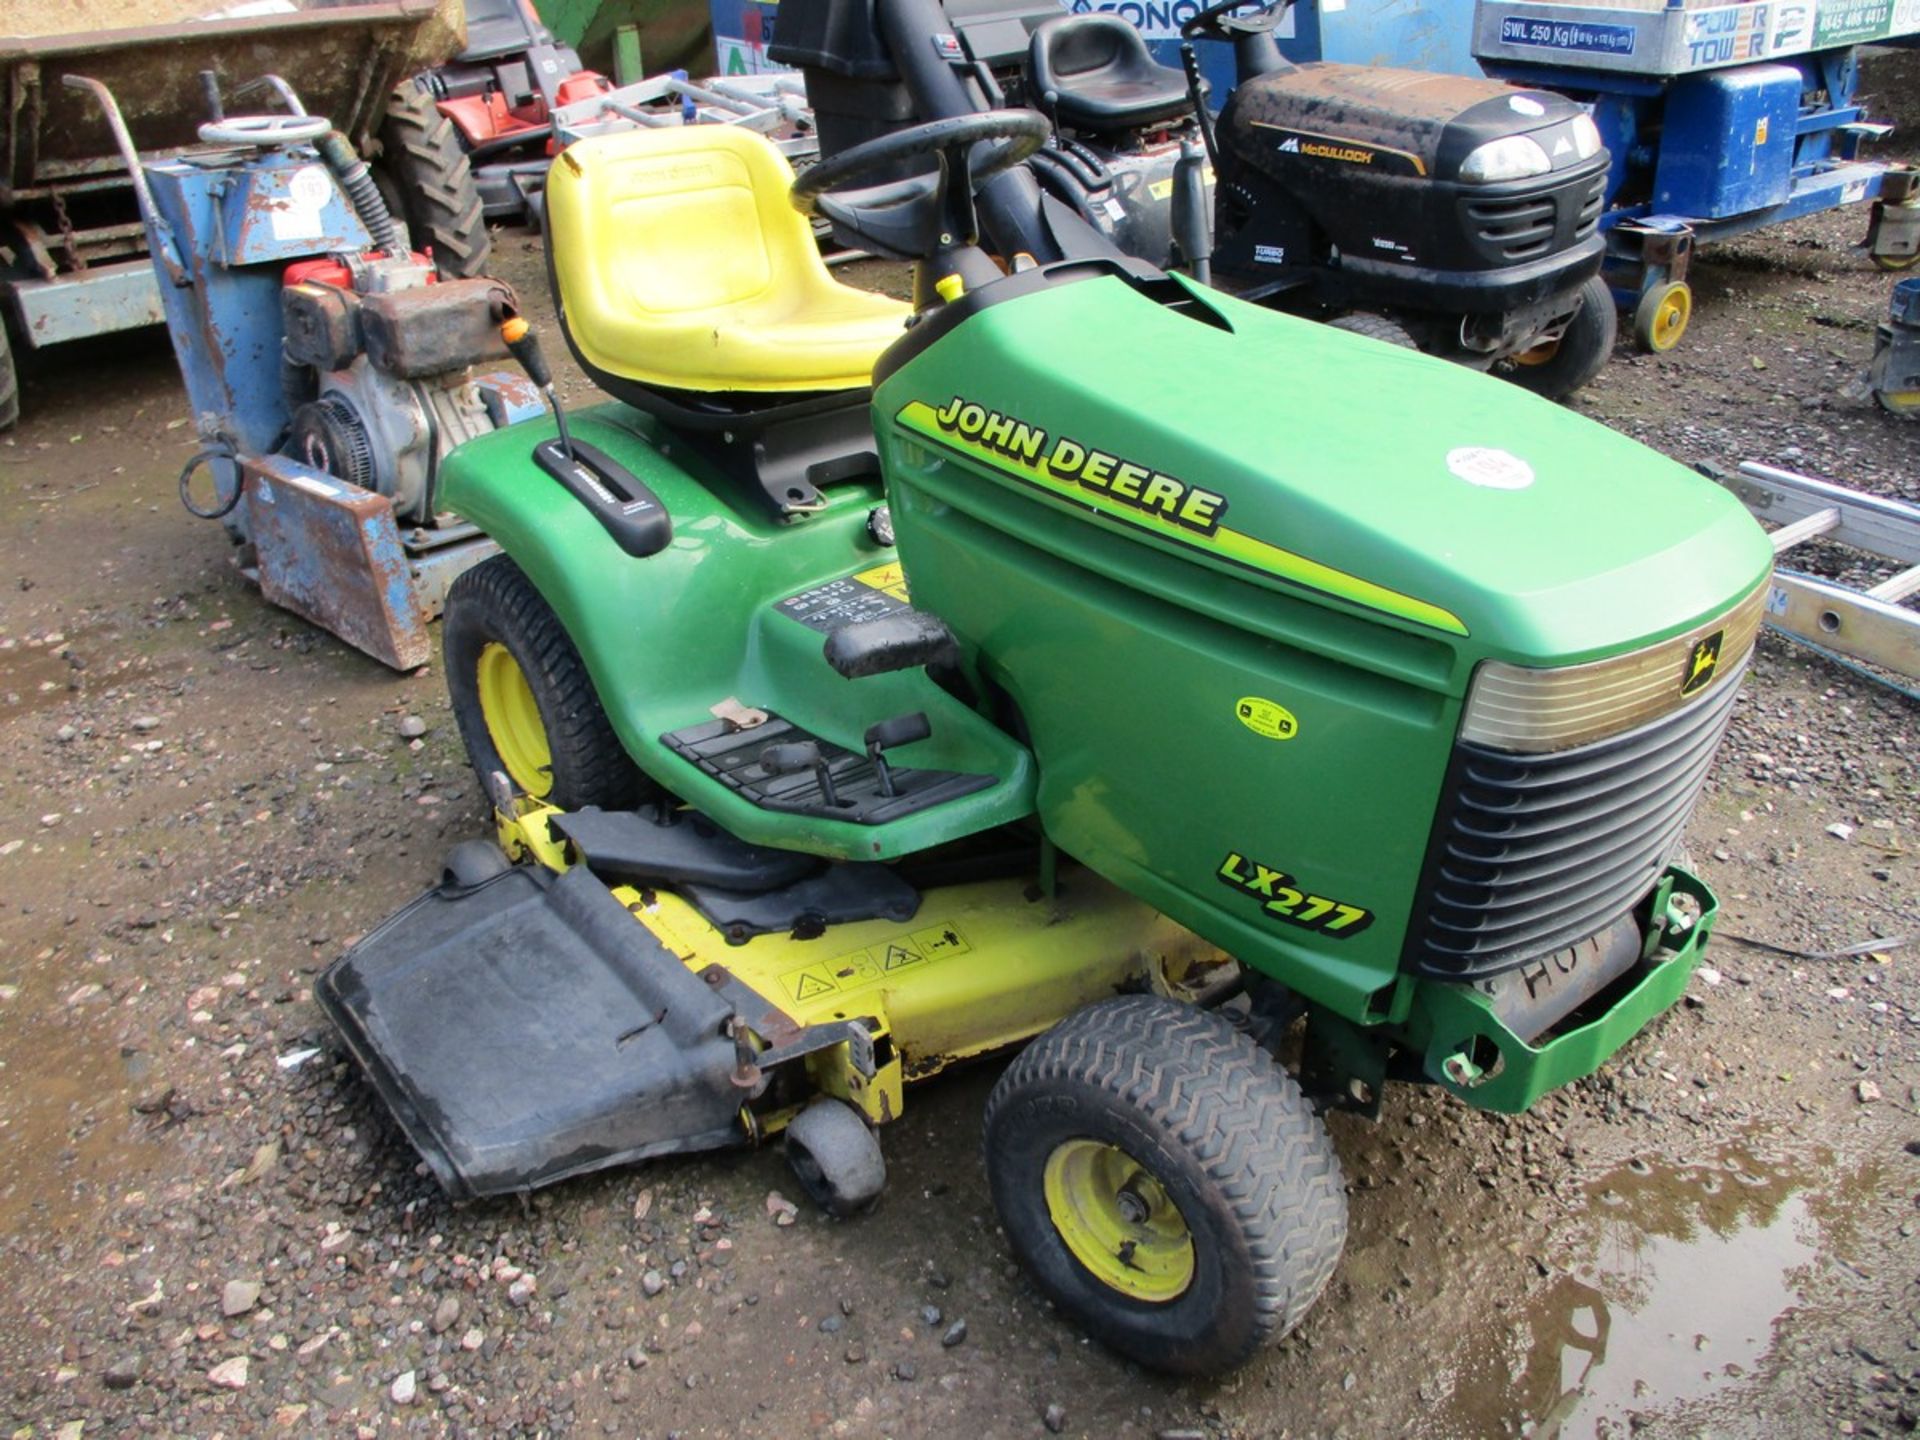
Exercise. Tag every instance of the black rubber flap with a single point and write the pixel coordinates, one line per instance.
(839, 895)
(529, 1029)
(635, 848)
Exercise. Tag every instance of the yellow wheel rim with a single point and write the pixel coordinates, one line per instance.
(513, 721)
(1669, 319)
(1897, 263)
(1118, 1221)
(1540, 354)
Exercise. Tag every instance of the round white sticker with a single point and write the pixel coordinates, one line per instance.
(310, 188)
(1526, 105)
(1494, 469)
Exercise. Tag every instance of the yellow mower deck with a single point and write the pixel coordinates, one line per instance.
(531, 1022)
(982, 967)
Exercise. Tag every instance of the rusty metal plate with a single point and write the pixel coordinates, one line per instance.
(330, 552)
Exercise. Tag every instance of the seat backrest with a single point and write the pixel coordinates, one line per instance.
(1080, 47)
(672, 225)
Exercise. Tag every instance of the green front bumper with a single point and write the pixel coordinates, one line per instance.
(1454, 1028)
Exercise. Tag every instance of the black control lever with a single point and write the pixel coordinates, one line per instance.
(524, 345)
(1197, 97)
(901, 730)
(795, 756)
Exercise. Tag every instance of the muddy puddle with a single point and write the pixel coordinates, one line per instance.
(69, 1138)
(1669, 1293)
(32, 677)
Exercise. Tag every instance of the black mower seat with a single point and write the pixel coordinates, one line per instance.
(1092, 72)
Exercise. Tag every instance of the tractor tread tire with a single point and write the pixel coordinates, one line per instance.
(1212, 1097)
(428, 169)
(496, 602)
(9, 385)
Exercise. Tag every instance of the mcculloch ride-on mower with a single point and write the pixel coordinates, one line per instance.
(1459, 215)
(864, 691)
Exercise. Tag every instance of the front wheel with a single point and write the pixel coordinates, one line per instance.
(1562, 365)
(523, 700)
(1375, 327)
(1165, 1182)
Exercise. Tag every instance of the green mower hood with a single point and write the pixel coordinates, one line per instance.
(1377, 479)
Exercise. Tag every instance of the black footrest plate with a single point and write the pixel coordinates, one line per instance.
(632, 847)
(733, 758)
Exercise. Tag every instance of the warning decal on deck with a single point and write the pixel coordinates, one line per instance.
(860, 968)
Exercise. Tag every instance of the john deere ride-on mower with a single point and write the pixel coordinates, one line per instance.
(864, 691)
(1461, 215)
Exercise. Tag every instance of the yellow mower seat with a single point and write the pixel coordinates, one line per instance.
(681, 264)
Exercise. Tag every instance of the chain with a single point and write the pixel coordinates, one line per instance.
(67, 236)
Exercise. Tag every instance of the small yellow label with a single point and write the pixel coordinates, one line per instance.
(1264, 717)
(888, 579)
(1760, 131)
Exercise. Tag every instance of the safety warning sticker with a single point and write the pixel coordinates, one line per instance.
(870, 595)
(860, 968)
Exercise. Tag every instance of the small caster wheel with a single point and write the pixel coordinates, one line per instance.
(471, 863)
(1660, 319)
(836, 1158)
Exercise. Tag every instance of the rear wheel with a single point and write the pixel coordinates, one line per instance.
(522, 697)
(1562, 365)
(427, 170)
(1166, 1183)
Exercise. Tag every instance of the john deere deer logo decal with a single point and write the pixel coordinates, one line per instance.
(1702, 661)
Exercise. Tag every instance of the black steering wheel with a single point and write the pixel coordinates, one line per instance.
(1021, 131)
(1218, 22)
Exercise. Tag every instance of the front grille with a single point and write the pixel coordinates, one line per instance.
(1517, 229)
(1521, 227)
(1588, 216)
(1531, 853)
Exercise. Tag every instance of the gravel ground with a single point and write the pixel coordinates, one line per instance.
(209, 1226)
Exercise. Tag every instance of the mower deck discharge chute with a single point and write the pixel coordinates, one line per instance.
(840, 734)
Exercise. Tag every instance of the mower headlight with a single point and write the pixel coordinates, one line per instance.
(1530, 711)
(1514, 158)
(1586, 137)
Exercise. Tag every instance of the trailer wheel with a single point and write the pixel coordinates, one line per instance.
(1165, 1182)
(523, 699)
(1562, 365)
(428, 170)
(1895, 263)
(9, 384)
(1375, 327)
(1661, 317)
(836, 1158)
